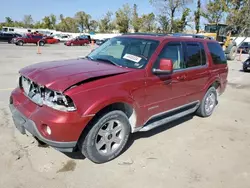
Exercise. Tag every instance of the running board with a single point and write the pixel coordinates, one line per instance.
(168, 119)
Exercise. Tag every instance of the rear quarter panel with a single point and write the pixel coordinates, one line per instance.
(219, 73)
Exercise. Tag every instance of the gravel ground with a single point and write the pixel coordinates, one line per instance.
(192, 152)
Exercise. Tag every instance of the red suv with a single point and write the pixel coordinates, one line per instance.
(130, 83)
(79, 41)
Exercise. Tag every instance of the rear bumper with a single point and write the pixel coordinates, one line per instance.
(24, 124)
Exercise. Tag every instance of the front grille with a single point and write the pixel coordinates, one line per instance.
(31, 90)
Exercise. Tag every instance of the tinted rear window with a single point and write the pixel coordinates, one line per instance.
(217, 53)
(8, 35)
(195, 54)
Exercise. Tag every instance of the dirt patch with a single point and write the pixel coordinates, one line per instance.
(239, 86)
(69, 166)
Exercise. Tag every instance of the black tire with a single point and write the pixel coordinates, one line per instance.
(201, 111)
(41, 43)
(232, 54)
(245, 69)
(88, 144)
(20, 43)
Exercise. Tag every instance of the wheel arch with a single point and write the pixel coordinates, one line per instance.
(124, 106)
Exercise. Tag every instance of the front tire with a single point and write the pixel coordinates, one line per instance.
(107, 137)
(20, 43)
(208, 103)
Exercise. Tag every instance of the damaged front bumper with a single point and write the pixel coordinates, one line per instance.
(24, 124)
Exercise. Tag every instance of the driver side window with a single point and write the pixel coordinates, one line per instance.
(173, 51)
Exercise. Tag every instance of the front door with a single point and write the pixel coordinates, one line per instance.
(166, 92)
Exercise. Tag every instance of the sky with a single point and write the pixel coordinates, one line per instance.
(96, 8)
(38, 9)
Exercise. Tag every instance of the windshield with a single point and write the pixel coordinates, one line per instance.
(126, 52)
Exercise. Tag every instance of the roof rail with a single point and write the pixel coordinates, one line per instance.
(192, 36)
(173, 34)
(150, 34)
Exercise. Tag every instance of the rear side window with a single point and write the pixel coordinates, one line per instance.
(217, 53)
(195, 54)
(7, 35)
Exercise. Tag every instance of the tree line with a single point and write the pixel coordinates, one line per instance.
(171, 16)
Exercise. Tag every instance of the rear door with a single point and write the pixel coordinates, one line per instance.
(197, 73)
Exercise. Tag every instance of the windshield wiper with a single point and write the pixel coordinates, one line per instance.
(108, 61)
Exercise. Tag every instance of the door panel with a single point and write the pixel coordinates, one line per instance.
(165, 92)
(196, 70)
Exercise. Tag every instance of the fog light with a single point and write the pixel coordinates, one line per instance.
(46, 129)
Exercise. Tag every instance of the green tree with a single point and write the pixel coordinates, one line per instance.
(53, 21)
(47, 24)
(93, 25)
(68, 24)
(197, 15)
(38, 25)
(105, 23)
(20, 24)
(180, 25)
(169, 7)
(123, 18)
(215, 10)
(136, 21)
(239, 14)
(148, 22)
(83, 20)
(164, 23)
(8, 22)
(27, 21)
(62, 24)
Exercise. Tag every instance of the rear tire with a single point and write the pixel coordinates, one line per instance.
(208, 103)
(107, 137)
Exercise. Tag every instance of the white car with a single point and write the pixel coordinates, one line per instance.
(63, 38)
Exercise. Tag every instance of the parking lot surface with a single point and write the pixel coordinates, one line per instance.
(193, 152)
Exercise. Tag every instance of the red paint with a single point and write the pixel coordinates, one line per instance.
(148, 94)
(166, 65)
(51, 40)
(77, 42)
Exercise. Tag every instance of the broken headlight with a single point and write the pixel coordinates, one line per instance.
(44, 96)
(57, 100)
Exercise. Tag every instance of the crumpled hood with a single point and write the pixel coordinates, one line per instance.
(60, 75)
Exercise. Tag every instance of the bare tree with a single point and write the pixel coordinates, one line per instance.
(170, 8)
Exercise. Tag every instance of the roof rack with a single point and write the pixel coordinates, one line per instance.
(150, 34)
(173, 34)
(191, 36)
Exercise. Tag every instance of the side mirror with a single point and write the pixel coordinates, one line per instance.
(165, 67)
